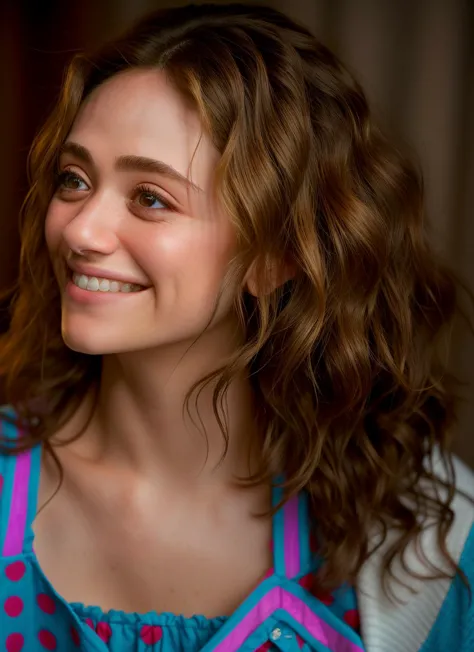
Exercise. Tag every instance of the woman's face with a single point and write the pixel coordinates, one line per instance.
(146, 247)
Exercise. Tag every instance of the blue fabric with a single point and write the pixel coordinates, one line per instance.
(454, 627)
(34, 618)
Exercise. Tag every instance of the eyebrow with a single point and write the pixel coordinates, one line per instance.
(131, 163)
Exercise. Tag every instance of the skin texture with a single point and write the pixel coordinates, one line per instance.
(181, 254)
(144, 519)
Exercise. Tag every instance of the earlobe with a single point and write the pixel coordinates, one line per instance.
(263, 279)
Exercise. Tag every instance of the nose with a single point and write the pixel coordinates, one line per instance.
(93, 229)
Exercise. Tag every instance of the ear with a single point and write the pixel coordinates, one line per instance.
(264, 278)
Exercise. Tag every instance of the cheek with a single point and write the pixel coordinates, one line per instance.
(180, 248)
(196, 254)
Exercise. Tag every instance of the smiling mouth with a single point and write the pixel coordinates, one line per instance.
(97, 284)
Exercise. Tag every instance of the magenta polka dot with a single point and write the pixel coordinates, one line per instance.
(90, 623)
(1, 483)
(13, 606)
(14, 643)
(15, 571)
(351, 617)
(47, 639)
(104, 631)
(75, 636)
(265, 647)
(151, 634)
(300, 641)
(46, 603)
(306, 582)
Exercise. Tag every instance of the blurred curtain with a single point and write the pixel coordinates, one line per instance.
(414, 58)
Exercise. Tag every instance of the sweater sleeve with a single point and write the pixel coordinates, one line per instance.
(454, 627)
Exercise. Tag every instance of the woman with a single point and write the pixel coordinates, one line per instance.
(225, 390)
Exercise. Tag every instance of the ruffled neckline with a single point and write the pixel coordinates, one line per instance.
(153, 618)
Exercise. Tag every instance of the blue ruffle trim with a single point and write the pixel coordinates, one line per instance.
(116, 617)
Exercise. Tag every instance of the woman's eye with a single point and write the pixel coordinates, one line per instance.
(71, 181)
(150, 200)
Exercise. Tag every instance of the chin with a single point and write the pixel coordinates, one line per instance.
(95, 341)
(86, 339)
(83, 344)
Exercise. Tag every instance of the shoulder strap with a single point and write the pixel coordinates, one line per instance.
(20, 474)
(404, 626)
(291, 536)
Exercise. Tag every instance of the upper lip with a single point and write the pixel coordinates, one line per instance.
(90, 270)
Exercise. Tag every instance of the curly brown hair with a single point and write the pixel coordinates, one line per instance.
(346, 359)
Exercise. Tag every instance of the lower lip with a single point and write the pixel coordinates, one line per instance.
(87, 296)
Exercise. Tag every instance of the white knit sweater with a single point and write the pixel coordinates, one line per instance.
(404, 625)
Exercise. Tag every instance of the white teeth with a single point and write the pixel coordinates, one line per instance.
(94, 284)
(81, 281)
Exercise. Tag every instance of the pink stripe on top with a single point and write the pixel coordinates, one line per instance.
(13, 544)
(291, 537)
(249, 623)
(316, 626)
(277, 598)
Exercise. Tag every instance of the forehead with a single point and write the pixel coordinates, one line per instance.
(140, 113)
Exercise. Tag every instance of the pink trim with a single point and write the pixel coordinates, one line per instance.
(275, 599)
(291, 537)
(13, 544)
(249, 623)
(316, 626)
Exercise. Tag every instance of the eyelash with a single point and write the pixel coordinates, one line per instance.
(62, 176)
(147, 190)
(142, 188)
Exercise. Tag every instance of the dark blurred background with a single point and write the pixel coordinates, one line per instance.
(415, 59)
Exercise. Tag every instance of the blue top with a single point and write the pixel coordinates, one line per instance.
(280, 613)
(454, 626)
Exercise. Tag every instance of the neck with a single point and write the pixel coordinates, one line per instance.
(141, 419)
